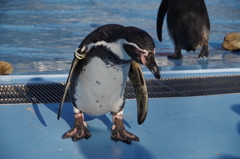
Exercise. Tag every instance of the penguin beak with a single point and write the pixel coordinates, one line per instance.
(74, 64)
(150, 63)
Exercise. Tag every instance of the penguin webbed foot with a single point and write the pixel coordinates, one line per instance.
(79, 131)
(204, 52)
(177, 54)
(119, 133)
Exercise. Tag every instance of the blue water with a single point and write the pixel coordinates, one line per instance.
(40, 36)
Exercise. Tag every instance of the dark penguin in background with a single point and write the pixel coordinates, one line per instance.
(188, 25)
(98, 75)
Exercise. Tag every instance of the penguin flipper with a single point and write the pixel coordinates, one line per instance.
(74, 63)
(160, 17)
(139, 84)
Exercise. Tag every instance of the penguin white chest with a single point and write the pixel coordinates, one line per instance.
(100, 87)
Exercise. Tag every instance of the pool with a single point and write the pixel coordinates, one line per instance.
(39, 37)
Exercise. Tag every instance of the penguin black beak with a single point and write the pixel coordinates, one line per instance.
(150, 62)
(74, 64)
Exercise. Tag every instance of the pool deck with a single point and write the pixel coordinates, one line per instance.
(201, 127)
(189, 127)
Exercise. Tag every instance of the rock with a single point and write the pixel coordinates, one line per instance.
(231, 42)
(5, 68)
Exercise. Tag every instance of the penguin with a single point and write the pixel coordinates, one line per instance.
(188, 25)
(98, 75)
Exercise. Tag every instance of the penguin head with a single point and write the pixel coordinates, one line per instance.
(141, 48)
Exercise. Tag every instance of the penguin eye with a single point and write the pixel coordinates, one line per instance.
(130, 49)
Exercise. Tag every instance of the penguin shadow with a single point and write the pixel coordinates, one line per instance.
(67, 111)
(68, 117)
(29, 94)
(236, 109)
(226, 157)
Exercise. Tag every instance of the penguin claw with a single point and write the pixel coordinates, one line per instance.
(120, 134)
(202, 57)
(203, 54)
(79, 131)
(124, 135)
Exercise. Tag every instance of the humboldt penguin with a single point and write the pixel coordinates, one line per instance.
(98, 75)
(188, 25)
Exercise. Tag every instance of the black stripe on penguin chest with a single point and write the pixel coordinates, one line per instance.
(107, 56)
(111, 60)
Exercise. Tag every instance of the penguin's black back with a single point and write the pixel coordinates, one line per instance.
(108, 33)
(113, 32)
(188, 23)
